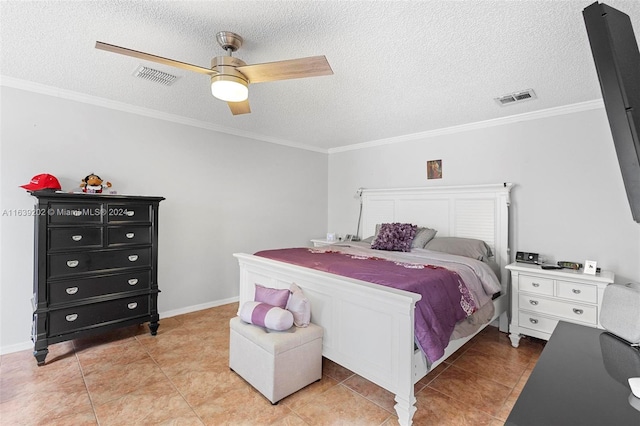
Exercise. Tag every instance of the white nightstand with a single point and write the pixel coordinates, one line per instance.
(540, 298)
(321, 242)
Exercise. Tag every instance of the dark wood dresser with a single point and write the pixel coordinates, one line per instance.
(96, 265)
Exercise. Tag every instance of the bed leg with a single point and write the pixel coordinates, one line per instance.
(405, 409)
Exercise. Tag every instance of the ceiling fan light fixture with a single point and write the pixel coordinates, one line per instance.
(229, 88)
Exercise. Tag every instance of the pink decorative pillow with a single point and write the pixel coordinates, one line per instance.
(394, 237)
(265, 315)
(299, 306)
(272, 296)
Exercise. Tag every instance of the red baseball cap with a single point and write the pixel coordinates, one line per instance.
(42, 181)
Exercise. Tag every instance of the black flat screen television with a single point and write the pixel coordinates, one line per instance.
(615, 53)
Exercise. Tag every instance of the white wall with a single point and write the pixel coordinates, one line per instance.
(569, 202)
(224, 194)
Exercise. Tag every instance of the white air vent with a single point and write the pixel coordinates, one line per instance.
(154, 75)
(516, 97)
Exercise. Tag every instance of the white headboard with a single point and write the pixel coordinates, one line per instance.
(475, 211)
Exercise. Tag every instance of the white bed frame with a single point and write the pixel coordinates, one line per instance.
(369, 328)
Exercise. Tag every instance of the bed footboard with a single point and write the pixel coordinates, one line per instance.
(367, 328)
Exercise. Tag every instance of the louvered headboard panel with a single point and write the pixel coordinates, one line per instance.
(478, 211)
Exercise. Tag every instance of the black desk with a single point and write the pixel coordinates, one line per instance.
(571, 385)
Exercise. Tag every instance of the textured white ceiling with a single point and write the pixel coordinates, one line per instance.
(400, 67)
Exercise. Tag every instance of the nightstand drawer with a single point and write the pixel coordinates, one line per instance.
(536, 322)
(566, 310)
(578, 292)
(536, 285)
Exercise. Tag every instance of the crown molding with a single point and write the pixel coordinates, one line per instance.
(534, 115)
(147, 112)
(43, 89)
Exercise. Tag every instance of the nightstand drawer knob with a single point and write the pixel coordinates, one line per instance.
(72, 290)
(130, 235)
(132, 305)
(133, 258)
(533, 320)
(72, 263)
(133, 281)
(533, 302)
(535, 284)
(130, 213)
(71, 317)
(76, 237)
(577, 311)
(575, 291)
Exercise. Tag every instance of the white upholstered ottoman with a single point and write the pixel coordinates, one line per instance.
(276, 363)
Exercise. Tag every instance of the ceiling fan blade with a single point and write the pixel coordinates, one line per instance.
(238, 108)
(153, 58)
(283, 70)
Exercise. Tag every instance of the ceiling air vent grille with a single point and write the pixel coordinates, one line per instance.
(516, 97)
(154, 75)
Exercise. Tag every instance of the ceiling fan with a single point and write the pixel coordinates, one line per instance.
(230, 77)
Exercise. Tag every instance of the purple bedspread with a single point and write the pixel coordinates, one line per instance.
(445, 297)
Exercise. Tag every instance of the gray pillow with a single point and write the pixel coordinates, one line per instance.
(467, 247)
(423, 236)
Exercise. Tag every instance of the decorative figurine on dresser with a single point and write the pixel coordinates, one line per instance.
(96, 265)
(542, 297)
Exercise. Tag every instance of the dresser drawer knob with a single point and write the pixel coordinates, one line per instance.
(76, 237)
(71, 317)
(133, 258)
(130, 213)
(130, 235)
(71, 290)
(535, 284)
(533, 320)
(133, 281)
(533, 302)
(575, 291)
(577, 311)
(72, 263)
(132, 305)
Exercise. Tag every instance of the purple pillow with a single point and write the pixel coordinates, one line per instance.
(395, 237)
(267, 316)
(272, 296)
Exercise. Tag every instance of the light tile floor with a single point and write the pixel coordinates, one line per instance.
(182, 377)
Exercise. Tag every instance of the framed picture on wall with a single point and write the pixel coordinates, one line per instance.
(434, 169)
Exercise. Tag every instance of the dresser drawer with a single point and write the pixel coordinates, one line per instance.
(68, 291)
(66, 264)
(536, 322)
(566, 310)
(128, 213)
(85, 316)
(121, 235)
(533, 284)
(70, 238)
(75, 213)
(576, 291)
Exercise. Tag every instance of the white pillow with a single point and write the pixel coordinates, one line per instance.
(265, 315)
(299, 306)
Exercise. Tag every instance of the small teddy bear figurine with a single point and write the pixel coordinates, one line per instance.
(93, 184)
